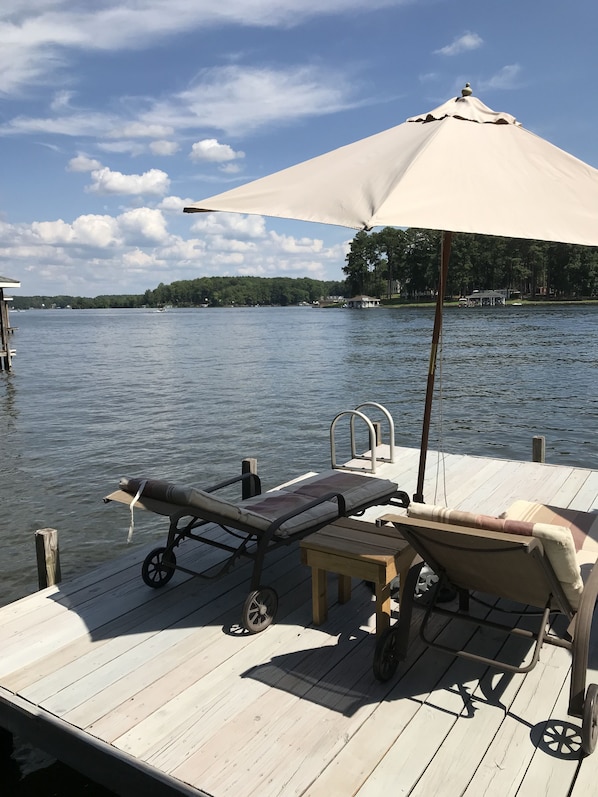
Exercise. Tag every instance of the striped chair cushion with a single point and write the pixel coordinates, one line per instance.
(557, 540)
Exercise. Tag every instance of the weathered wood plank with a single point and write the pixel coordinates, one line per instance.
(133, 655)
(504, 764)
(164, 676)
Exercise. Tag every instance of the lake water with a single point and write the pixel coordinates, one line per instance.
(186, 394)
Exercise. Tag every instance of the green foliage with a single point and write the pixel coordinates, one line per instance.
(241, 291)
(212, 291)
(378, 261)
(383, 264)
(74, 302)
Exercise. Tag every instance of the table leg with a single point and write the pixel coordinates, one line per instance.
(344, 588)
(319, 596)
(382, 608)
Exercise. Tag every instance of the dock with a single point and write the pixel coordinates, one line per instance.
(6, 352)
(161, 692)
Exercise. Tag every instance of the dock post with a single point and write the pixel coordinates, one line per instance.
(378, 431)
(5, 352)
(249, 487)
(48, 557)
(539, 448)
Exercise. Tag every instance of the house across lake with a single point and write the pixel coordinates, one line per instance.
(362, 302)
(484, 299)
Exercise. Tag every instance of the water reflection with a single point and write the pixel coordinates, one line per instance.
(8, 390)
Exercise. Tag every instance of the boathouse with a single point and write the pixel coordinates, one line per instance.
(362, 302)
(6, 353)
(485, 299)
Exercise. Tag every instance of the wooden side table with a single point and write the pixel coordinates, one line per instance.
(356, 549)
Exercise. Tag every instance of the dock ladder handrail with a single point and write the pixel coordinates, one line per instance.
(373, 436)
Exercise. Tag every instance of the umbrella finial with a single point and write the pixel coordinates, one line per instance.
(466, 92)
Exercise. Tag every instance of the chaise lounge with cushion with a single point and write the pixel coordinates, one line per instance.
(535, 555)
(254, 525)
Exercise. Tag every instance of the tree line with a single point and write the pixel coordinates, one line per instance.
(395, 261)
(210, 291)
(242, 291)
(385, 263)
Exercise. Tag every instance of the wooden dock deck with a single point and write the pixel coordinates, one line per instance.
(161, 692)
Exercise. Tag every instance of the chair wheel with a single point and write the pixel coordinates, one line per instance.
(386, 659)
(158, 567)
(259, 609)
(589, 727)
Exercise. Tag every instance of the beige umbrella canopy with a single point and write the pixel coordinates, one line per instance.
(459, 168)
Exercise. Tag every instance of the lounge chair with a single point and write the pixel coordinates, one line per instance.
(515, 557)
(256, 524)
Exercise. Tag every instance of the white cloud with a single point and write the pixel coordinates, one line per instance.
(174, 204)
(230, 224)
(230, 168)
(96, 231)
(180, 252)
(288, 243)
(53, 232)
(135, 250)
(233, 99)
(137, 227)
(153, 182)
(239, 99)
(122, 147)
(506, 78)
(77, 123)
(164, 147)
(141, 130)
(138, 259)
(39, 37)
(468, 41)
(222, 244)
(209, 149)
(147, 224)
(82, 163)
(61, 100)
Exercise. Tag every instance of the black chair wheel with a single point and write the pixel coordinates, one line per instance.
(589, 728)
(259, 609)
(386, 659)
(158, 567)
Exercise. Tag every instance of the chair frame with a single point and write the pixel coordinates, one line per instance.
(184, 522)
(391, 649)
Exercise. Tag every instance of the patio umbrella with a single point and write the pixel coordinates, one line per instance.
(459, 168)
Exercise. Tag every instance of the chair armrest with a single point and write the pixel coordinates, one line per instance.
(242, 477)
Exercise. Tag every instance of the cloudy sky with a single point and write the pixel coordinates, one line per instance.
(114, 114)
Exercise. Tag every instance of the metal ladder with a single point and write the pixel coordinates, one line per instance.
(375, 436)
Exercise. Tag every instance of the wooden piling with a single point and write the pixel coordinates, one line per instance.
(538, 448)
(48, 557)
(6, 354)
(249, 486)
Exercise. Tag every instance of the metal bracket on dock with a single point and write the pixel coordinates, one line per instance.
(374, 436)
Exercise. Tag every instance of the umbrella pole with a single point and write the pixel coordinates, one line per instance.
(445, 254)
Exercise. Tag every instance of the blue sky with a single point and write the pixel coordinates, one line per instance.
(114, 114)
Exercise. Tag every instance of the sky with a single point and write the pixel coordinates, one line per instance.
(115, 114)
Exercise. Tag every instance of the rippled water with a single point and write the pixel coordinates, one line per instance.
(185, 395)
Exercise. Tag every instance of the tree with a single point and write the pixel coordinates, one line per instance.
(362, 261)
